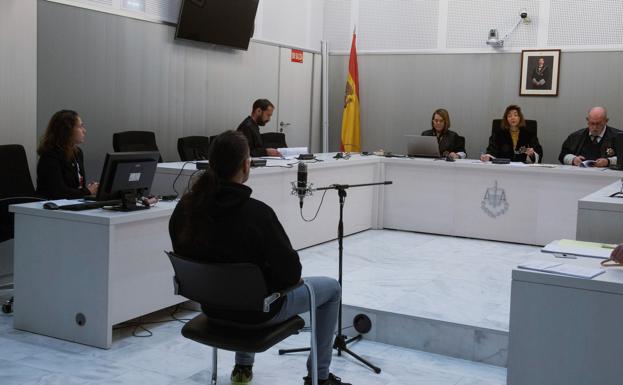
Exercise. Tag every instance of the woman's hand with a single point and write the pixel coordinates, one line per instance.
(485, 157)
(530, 152)
(93, 187)
(617, 254)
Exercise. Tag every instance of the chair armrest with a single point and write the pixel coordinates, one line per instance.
(275, 296)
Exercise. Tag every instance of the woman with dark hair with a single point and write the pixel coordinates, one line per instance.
(512, 140)
(218, 221)
(451, 144)
(60, 170)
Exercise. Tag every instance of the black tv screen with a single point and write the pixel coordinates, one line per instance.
(225, 22)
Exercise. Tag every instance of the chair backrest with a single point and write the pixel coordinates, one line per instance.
(193, 148)
(134, 141)
(531, 125)
(274, 139)
(14, 174)
(15, 185)
(225, 286)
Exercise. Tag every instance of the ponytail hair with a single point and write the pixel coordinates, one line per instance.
(226, 157)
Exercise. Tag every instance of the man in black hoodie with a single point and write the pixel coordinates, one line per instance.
(218, 221)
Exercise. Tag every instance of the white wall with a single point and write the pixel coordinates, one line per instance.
(461, 26)
(296, 23)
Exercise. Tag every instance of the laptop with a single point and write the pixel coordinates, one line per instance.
(422, 146)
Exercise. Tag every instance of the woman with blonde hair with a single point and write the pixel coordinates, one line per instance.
(451, 144)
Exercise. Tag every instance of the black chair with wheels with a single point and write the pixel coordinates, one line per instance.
(16, 187)
(211, 285)
(274, 139)
(193, 148)
(531, 125)
(461, 142)
(135, 141)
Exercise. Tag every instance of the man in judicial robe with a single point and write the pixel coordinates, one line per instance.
(591, 143)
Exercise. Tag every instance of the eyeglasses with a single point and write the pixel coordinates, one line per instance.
(438, 120)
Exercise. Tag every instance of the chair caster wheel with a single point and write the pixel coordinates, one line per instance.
(7, 308)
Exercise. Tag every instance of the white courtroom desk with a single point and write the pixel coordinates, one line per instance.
(108, 266)
(564, 330)
(538, 204)
(272, 186)
(534, 205)
(600, 217)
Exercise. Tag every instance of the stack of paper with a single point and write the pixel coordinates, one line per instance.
(292, 152)
(562, 269)
(579, 248)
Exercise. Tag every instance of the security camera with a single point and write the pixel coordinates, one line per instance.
(524, 15)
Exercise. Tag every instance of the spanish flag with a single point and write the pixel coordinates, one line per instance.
(351, 141)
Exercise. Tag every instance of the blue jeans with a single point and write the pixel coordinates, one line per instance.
(328, 293)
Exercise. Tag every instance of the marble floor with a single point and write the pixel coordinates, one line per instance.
(459, 280)
(452, 279)
(168, 358)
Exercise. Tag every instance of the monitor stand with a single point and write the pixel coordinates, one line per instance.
(128, 202)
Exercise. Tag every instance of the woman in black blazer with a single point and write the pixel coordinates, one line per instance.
(512, 140)
(451, 144)
(60, 170)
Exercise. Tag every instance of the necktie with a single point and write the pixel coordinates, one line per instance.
(594, 139)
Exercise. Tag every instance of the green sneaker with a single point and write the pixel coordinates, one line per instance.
(241, 375)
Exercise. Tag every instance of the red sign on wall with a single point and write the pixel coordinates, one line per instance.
(297, 56)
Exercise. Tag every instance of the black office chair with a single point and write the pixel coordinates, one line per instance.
(461, 142)
(16, 187)
(212, 285)
(193, 148)
(135, 141)
(274, 139)
(531, 125)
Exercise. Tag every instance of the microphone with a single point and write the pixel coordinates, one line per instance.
(301, 182)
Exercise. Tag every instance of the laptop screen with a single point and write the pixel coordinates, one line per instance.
(422, 146)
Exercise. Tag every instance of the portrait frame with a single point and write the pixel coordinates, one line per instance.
(540, 72)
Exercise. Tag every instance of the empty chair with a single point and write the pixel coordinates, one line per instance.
(193, 148)
(15, 187)
(213, 285)
(274, 139)
(134, 141)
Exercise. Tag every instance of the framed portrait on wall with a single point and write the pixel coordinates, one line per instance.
(539, 72)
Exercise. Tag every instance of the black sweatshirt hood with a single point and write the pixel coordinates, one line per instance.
(229, 196)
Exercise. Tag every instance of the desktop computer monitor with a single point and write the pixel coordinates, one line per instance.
(127, 176)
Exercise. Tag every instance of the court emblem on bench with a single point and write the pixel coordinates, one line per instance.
(494, 202)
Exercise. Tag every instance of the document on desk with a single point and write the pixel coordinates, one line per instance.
(579, 248)
(292, 152)
(566, 269)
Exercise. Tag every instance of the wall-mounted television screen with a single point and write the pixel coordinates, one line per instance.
(224, 22)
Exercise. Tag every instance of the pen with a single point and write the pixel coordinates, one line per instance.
(607, 246)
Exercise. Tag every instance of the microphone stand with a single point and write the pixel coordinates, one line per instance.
(341, 341)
